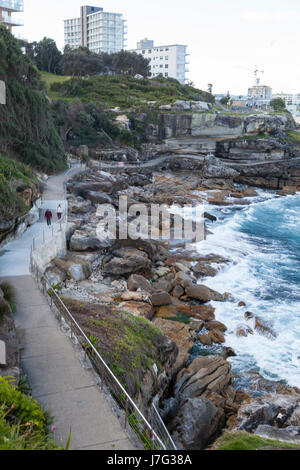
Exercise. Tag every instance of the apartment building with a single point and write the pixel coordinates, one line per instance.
(7, 10)
(289, 98)
(169, 61)
(96, 29)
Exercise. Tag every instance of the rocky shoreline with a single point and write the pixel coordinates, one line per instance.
(154, 289)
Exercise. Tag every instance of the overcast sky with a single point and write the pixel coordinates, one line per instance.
(226, 38)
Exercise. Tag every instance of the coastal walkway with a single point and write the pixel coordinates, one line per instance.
(59, 382)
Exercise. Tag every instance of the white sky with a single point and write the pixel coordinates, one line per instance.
(225, 38)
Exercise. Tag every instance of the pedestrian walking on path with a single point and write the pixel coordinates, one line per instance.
(48, 215)
(59, 212)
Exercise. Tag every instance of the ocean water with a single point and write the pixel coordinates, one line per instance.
(263, 243)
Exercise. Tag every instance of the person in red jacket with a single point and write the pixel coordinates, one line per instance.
(48, 215)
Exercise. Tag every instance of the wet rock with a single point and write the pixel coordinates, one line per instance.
(215, 325)
(244, 331)
(264, 329)
(241, 304)
(205, 340)
(261, 326)
(217, 337)
(203, 293)
(210, 217)
(228, 352)
(204, 270)
(160, 299)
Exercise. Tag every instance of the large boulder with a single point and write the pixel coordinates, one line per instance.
(290, 434)
(179, 334)
(97, 198)
(83, 240)
(197, 424)
(137, 282)
(126, 261)
(203, 293)
(272, 410)
(203, 374)
(160, 299)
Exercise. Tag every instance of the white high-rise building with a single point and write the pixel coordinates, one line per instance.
(7, 10)
(96, 29)
(169, 61)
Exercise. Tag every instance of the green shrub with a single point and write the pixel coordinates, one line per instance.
(21, 410)
(22, 437)
(8, 291)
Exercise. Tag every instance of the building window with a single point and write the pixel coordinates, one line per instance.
(167, 66)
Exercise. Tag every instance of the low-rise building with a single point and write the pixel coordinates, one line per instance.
(96, 29)
(169, 61)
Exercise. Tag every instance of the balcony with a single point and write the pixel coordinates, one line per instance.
(9, 21)
(12, 5)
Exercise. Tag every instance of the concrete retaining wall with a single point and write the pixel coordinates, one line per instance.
(53, 248)
(2, 92)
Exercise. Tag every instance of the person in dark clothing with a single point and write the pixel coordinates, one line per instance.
(48, 215)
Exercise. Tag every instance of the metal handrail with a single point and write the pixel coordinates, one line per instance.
(151, 439)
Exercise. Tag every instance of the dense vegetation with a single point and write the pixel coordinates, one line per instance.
(13, 175)
(27, 130)
(23, 425)
(82, 62)
(130, 345)
(244, 441)
(126, 92)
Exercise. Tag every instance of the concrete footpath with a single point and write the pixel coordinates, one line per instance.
(58, 380)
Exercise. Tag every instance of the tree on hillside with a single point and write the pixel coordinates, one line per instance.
(27, 129)
(47, 56)
(225, 100)
(81, 62)
(278, 104)
(130, 63)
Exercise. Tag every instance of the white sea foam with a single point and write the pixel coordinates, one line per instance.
(263, 242)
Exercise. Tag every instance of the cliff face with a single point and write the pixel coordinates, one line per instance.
(219, 125)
